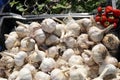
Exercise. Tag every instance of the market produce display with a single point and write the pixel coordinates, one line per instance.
(56, 49)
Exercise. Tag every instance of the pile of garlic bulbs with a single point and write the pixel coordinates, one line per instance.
(60, 50)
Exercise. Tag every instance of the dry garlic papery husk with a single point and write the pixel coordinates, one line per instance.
(105, 70)
(52, 52)
(67, 54)
(99, 53)
(13, 75)
(22, 30)
(27, 44)
(59, 30)
(8, 61)
(111, 42)
(78, 72)
(84, 42)
(57, 74)
(24, 74)
(48, 25)
(111, 60)
(70, 42)
(52, 40)
(86, 23)
(11, 40)
(18, 58)
(34, 26)
(75, 60)
(47, 64)
(61, 63)
(39, 36)
(36, 55)
(87, 57)
(42, 76)
(97, 34)
(72, 28)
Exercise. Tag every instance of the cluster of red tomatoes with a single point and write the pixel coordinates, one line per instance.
(109, 16)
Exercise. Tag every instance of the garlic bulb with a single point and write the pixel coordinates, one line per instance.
(30, 67)
(58, 74)
(67, 54)
(70, 42)
(27, 44)
(18, 58)
(11, 40)
(24, 74)
(52, 52)
(48, 25)
(111, 41)
(85, 22)
(13, 75)
(83, 41)
(34, 26)
(97, 34)
(42, 76)
(111, 60)
(37, 55)
(59, 30)
(87, 57)
(78, 72)
(47, 64)
(39, 36)
(72, 28)
(61, 63)
(75, 60)
(99, 53)
(52, 40)
(108, 69)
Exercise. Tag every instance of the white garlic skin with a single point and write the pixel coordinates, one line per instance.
(57, 74)
(52, 52)
(87, 57)
(47, 64)
(19, 58)
(48, 25)
(39, 36)
(85, 22)
(27, 44)
(24, 74)
(13, 75)
(111, 60)
(99, 53)
(58, 30)
(111, 41)
(33, 26)
(30, 67)
(107, 69)
(11, 39)
(52, 40)
(37, 55)
(70, 42)
(72, 28)
(75, 60)
(84, 42)
(97, 34)
(22, 31)
(67, 54)
(42, 76)
(78, 72)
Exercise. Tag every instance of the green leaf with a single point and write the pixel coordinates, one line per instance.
(13, 3)
(40, 6)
